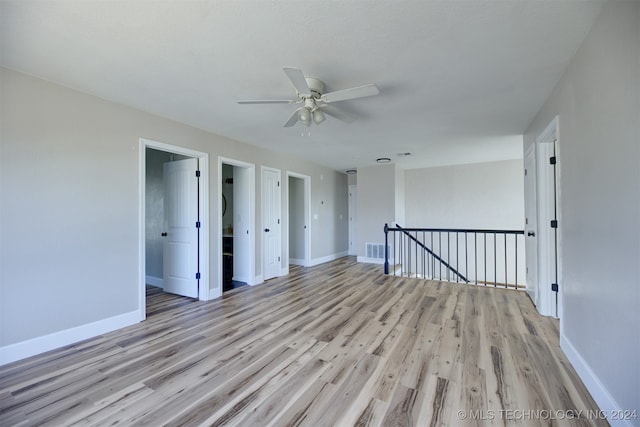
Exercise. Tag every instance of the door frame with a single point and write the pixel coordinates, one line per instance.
(353, 222)
(307, 217)
(262, 226)
(531, 223)
(217, 292)
(203, 196)
(549, 242)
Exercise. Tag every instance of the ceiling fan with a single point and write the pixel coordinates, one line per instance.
(316, 103)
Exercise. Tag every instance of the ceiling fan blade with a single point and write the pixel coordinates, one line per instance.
(292, 120)
(296, 77)
(266, 101)
(335, 112)
(354, 92)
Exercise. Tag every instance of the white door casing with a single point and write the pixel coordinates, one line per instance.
(531, 226)
(242, 247)
(271, 223)
(245, 191)
(353, 224)
(180, 244)
(547, 244)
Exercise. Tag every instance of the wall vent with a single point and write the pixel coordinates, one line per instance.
(375, 250)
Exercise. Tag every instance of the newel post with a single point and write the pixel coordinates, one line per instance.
(386, 247)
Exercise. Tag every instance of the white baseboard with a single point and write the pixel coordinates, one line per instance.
(600, 394)
(297, 261)
(258, 279)
(214, 293)
(28, 348)
(332, 257)
(370, 260)
(284, 272)
(155, 281)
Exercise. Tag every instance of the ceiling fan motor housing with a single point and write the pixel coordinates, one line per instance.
(316, 86)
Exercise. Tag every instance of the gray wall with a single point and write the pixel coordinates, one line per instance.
(69, 227)
(376, 203)
(482, 195)
(598, 105)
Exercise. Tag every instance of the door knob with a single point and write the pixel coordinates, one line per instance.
(266, 230)
(531, 233)
(164, 234)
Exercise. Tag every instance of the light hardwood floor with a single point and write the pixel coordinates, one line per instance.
(334, 345)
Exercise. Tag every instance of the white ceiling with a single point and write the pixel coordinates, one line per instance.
(459, 80)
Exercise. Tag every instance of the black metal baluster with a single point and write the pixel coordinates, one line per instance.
(466, 255)
(506, 281)
(475, 254)
(416, 243)
(433, 260)
(457, 256)
(515, 236)
(495, 261)
(485, 258)
(395, 257)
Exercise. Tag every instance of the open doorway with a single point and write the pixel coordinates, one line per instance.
(173, 222)
(299, 202)
(236, 218)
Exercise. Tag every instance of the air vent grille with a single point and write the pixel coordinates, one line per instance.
(375, 250)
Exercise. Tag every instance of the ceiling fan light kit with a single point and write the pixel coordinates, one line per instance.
(316, 103)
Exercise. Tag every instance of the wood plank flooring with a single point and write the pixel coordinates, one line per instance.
(334, 345)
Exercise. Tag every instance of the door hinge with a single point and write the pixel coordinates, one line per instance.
(278, 220)
(525, 172)
(278, 183)
(197, 174)
(552, 160)
(554, 287)
(198, 276)
(554, 223)
(197, 224)
(278, 259)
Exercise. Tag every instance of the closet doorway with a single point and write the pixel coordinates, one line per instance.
(236, 219)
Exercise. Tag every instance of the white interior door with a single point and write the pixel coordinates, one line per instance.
(531, 247)
(241, 224)
(546, 236)
(271, 214)
(180, 248)
(353, 206)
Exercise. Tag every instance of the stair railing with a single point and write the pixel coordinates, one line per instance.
(478, 256)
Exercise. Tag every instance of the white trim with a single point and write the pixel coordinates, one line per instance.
(297, 261)
(155, 281)
(203, 160)
(262, 215)
(353, 233)
(34, 346)
(546, 143)
(284, 271)
(598, 391)
(217, 291)
(259, 279)
(332, 257)
(550, 133)
(371, 260)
